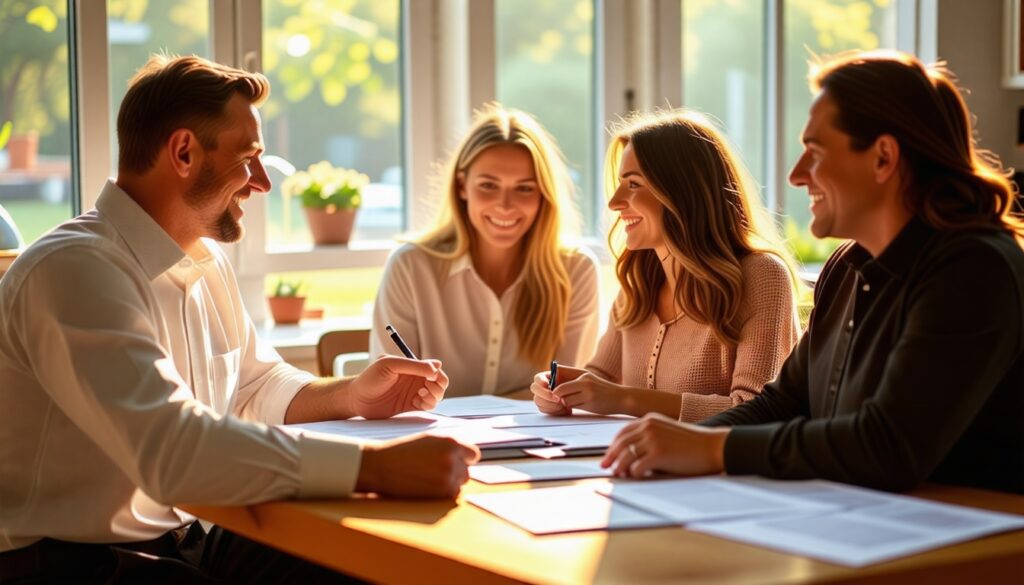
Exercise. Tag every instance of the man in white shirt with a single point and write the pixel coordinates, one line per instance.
(132, 378)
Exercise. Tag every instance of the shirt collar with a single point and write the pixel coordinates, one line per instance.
(459, 264)
(899, 255)
(151, 245)
(465, 262)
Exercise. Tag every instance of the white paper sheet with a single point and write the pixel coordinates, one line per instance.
(563, 509)
(411, 423)
(511, 421)
(579, 436)
(869, 534)
(707, 498)
(483, 406)
(536, 471)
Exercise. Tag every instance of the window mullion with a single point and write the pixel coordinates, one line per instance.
(774, 90)
(93, 84)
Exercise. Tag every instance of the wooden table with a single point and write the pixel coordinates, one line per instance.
(394, 541)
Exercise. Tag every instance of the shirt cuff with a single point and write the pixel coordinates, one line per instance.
(328, 466)
(273, 405)
(748, 449)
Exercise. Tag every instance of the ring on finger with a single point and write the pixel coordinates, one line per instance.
(633, 451)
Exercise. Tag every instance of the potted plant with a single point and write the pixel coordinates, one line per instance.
(286, 304)
(330, 196)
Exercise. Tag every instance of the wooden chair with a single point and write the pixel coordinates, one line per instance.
(335, 343)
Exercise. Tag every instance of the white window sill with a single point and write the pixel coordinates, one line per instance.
(297, 343)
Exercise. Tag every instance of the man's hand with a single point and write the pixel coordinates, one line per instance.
(658, 443)
(416, 467)
(392, 385)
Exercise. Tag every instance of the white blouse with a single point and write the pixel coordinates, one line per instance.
(453, 316)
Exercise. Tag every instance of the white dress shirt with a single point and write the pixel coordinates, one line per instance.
(453, 316)
(129, 373)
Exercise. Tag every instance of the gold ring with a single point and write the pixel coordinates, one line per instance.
(632, 450)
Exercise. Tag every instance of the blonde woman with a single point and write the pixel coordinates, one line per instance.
(706, 313)
(491, 291)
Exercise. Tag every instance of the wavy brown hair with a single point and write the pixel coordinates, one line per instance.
(712, 218)
(542, 307)
(951, 184)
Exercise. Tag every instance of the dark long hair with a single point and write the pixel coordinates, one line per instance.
(712, 219)
(952, 184)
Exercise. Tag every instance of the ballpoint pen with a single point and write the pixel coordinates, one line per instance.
(400, 343)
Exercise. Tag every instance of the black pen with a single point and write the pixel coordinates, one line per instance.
(400, 343)
(554, 375)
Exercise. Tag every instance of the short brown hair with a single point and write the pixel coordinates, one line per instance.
(169, 93)
(952, 184)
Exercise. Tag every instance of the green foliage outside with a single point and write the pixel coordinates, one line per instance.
(287, 287)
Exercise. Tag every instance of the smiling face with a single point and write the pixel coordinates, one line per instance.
(638, 208)
(845, 197)
(229, 174)
(502, 197)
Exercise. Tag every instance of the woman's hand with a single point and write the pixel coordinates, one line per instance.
(546, 401)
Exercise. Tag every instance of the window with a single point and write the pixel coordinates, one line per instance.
(138, 28)
(723, 77)
(35, 115)
(545, 66)
(823, 27)
(334, 69)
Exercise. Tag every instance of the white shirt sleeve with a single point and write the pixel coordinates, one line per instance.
(90, 331)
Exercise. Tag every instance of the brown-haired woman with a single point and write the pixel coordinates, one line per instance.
(706, 315)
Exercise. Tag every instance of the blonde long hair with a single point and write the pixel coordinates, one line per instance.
(712, 219)
(542, 307)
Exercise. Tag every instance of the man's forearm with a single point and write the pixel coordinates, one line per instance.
(323, 399)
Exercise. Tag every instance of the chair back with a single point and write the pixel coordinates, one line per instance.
(333, 343)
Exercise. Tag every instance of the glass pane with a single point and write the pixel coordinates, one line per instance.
(334, 70)
(546, 67)
(330, 294)
(35, 109)
(822, 27)
(138, 28)
(722, 77)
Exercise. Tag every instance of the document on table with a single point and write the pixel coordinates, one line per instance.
(483, 406)
(536, 419)
(708, 498)
(869, 534)
(537, 471)
(411, 423)
(563, 509)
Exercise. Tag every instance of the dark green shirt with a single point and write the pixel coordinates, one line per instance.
(911, 369)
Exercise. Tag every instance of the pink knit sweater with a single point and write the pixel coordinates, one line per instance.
(684, 357)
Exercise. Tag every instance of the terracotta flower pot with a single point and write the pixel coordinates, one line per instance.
(286, 309)
(23, 150)
(330, 226)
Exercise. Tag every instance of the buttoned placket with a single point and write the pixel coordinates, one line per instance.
(652, 360)
(495, 335)
(842, 354)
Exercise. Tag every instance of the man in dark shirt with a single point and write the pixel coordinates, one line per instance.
(912, 366)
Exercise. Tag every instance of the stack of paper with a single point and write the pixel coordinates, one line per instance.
(482, 406)
(820, 519)
(412, 423)
(537, 471)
